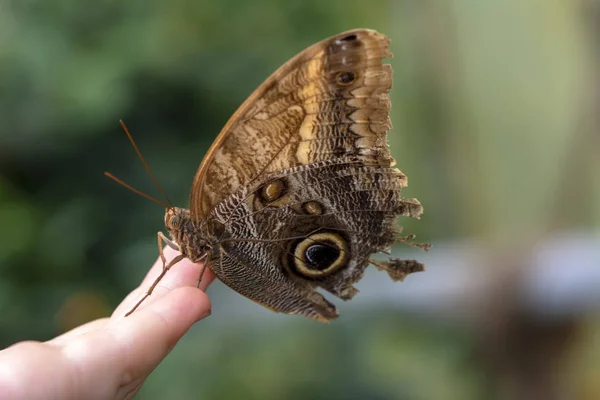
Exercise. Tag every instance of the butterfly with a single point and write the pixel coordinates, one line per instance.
(299, 189)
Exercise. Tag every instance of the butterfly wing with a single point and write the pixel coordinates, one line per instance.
(328, 101)
(310, 226)
(300, 181)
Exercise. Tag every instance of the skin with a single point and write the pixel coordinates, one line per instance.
(110, 358)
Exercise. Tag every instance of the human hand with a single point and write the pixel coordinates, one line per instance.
(110, 358)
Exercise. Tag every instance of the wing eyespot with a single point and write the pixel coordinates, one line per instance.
(312, 208)
(273, 191)
(345, 78)
(318, 255)
(349, 38)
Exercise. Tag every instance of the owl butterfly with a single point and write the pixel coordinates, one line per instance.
(299, 190)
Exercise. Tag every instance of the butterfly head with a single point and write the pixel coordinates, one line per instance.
(182, 229)
(175, 218)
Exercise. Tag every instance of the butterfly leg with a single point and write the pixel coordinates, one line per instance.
(202, 271)
(162, 238)
(162, 274)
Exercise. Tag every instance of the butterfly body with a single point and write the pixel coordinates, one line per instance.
(299, 189)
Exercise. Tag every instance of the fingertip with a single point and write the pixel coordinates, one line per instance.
(184, 273)
(150, 333)
(184, 305)
(165, 320)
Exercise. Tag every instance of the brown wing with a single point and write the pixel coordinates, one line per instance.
(329, 101)
(310, 226)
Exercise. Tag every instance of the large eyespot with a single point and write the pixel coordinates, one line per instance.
(319, 255)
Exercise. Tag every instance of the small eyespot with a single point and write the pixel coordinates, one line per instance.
(345, 44)
(345, 78)
(272, 191)
(313, 208)
(346, 39)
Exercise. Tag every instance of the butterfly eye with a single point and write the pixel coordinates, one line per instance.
(174, 222)
(319, 255)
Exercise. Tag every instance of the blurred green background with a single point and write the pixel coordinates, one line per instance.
(495, 113)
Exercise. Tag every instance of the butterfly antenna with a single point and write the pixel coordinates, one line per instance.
(139, 153)
(134, 190)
